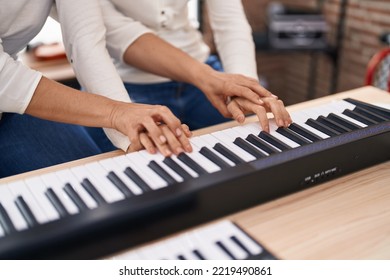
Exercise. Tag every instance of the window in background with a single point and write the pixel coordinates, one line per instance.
(50, 33)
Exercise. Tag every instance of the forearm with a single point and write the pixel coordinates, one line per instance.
(154, 55)
(56, 102)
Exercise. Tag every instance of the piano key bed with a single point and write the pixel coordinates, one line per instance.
(149, 196)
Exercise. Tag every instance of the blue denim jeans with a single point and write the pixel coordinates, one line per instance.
(186, 102)
(28, 143)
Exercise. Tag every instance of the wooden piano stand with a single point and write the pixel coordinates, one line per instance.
(346, 218)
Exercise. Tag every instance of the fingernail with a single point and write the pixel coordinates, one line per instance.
(261, 102)
(188, 148)
(274, 96)
(168, 152)
(163, 139)
(179, 150)
(178, 132)
(152, 151)
(281, 123)
(240, 118)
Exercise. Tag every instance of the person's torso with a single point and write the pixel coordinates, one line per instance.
(20, 21)
(169, 19)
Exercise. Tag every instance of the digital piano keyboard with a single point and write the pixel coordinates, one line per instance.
(220, 241)
(95, 209)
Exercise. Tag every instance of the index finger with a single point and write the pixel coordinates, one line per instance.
(255, 86)
(162, 113)
(244, 92)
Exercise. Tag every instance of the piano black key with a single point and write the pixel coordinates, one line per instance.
(56, 202)
(261, 144)
(137, 179)
(228, 154)
(26, 212)
(372, 108)
(161, 172)
(359, 117)
(198, 254)
(248, 148)
(177, 168)
(274, 141)
(192, 164)
(286, 132)
(5, 221)
(119, 184)
(239, 244)
(75, 197)
(333, 125)
(343, 121)
(324, 129)
(225, 250)
(369, 114)
(93, 192)
(304, 132)
(181, 257)
(213, 157)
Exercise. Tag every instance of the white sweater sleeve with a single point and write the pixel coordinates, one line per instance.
(14, 94)
(121, 31)
(83, 33)
(233, 37)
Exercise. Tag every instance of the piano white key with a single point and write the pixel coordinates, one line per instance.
(19, 188)
(185, 167)
(139, 163)
(253, 127)
(66, 176)
(192, 244)
(81, 173)
(157, 251)
(300, 119)
(7, 200)
(252, 246)
(38, 188)
(340, 108)
(111, 165)
(159, 159)
(101, 182)
(201, 141)
(326, 109)
(342, 105)
(51, 180)
(243, 132)
(227, 140)
(222, 233)
(177, 247)
(124, 162)
(198, 143)
(282, 138)
(208, 165)
(351, 120)
(312, 112)
(208, 249)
